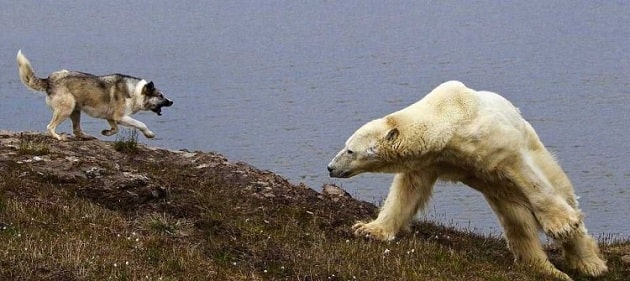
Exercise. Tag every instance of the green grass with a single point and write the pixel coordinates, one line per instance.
(32, 145)
(126, 141)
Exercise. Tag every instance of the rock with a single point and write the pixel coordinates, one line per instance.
(625, 259)
(334, 191)
(94, 172)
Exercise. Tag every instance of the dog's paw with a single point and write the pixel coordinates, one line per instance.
(149, 134)
(373, 230)
(61, 137)
(84, 136)
(108, 132)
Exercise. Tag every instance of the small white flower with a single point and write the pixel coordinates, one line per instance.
(265, 271)
(386, 252)
(115, 265)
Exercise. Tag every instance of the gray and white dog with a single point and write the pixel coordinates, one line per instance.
(113, 97)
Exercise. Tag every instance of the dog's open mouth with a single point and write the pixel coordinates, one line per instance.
(158, 108)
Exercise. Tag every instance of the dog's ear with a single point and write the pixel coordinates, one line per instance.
(150, 86)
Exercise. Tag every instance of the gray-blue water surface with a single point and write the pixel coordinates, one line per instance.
(282, 84)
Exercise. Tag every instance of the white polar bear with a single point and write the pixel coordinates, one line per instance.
(478, 138)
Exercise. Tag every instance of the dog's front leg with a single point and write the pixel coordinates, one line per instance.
(76, 126)
(130, 122)
(113, 128)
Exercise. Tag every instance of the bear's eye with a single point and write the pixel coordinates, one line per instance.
(371, 150)
(349, 151)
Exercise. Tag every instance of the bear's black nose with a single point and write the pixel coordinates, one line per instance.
(330, 169)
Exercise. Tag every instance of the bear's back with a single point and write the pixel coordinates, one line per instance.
(450, 102)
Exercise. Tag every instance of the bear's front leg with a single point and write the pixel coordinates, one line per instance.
(408, 193)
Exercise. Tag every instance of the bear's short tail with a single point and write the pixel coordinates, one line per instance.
(27, 75)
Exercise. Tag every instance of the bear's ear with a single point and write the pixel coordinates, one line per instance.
(392, 134)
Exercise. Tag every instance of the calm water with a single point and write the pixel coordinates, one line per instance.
(282, 84)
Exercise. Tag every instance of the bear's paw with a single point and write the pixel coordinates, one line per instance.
(373, 230)
(560, 226)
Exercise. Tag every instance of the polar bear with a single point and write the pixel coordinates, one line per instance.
(480, 139)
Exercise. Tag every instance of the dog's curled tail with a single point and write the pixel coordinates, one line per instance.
(27, 75)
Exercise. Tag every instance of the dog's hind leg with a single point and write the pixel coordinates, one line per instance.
(76, 125)
(58, 116)
(62, 107)
(113, 128)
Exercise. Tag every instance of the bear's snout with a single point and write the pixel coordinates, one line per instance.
(337, 173)
(331, 172)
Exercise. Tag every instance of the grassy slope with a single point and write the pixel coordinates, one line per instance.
(219, 221)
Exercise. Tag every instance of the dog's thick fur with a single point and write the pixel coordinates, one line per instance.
(479, 138)
(113, 97)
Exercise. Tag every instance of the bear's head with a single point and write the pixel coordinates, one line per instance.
(367, 150)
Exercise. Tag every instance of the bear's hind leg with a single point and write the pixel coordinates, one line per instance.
(558, 219)
(582, 253)
(521, 234)
(407, 194)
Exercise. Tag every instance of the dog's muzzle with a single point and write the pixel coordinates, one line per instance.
(158, 108)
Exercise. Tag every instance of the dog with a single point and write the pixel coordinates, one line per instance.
(113, 97)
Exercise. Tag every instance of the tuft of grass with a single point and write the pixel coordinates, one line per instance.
(32, 145)
(165, 224)
(127, 141)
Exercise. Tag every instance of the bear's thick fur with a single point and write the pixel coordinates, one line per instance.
(478, 138)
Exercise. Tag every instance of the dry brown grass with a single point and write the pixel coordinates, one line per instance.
(222, 223)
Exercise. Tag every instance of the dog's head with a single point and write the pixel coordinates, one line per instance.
(154, 100)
